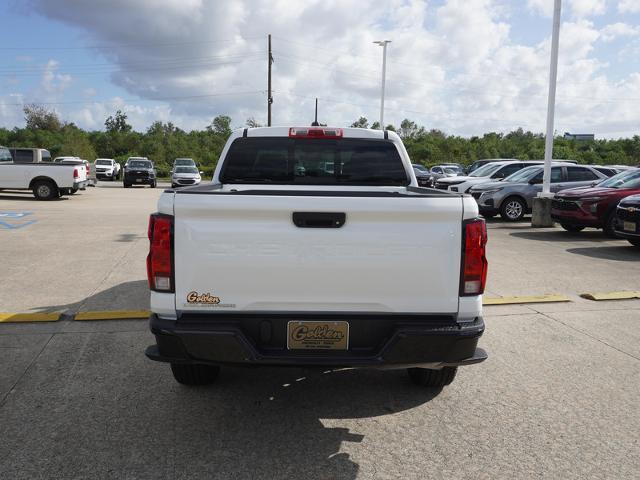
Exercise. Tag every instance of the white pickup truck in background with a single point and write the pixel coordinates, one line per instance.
(315, 247)
(47, 180)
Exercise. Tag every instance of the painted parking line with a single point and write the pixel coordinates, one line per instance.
(29, 317)
(520, 300)
(598, 296)
(15, 220)
(113, 315)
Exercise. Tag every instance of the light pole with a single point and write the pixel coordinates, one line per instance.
(383, 44)
(542, 204)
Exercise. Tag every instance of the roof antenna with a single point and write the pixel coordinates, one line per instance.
(315, 122)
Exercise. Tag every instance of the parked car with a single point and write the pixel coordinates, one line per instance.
(628, 219)
(182, 176)
(594, 206)
(491, 171)
(216, 298)
(456, 167)
(30, 155)
(91, 175)
(513, 197)
(481, 163)
(139, 171)
(423, 177)
(441, 171)
(47, 180)
(183, 162)
(107, 169)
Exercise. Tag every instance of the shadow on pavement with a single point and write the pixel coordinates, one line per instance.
(132, 295)
(28, 196)
(562, 236)
(621, 253)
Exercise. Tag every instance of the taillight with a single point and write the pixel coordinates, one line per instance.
(160, 258)
(88, 170)
(75, 173)
(304, 132)
(474, 262)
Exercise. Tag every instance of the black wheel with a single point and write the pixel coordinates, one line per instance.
(126, 185)
(194, 374)
(432, 378)
(634, 242)
(513, 209)
(173, 185)
(45, 190)
(609, 225)
(71, 191)
(572, 228)
(153, 184)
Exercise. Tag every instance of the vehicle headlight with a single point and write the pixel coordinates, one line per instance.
(591, 199)
(493, 190)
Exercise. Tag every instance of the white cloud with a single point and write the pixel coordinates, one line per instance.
(451, 66)
(577, 8)
(612, 31)
(629, 6)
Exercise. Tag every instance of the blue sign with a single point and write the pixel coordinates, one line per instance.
(14, 220)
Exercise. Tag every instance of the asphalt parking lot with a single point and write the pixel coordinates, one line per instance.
(558, 397)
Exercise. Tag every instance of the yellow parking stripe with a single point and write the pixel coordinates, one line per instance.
(113, 315)
(519, 300)
(597, 296)
(29, 317)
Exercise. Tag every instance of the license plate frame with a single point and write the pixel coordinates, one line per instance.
(629, 226)
(317, 335)
(138, 180)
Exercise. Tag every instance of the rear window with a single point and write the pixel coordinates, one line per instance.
(22, 155)
(280, 160)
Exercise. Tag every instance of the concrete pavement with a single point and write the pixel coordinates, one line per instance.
(558, 397)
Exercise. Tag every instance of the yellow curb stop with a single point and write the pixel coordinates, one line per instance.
(29, 317)
(520, 300)
(113, 315)
(598, 296)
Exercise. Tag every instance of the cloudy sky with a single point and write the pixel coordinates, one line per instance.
(463, 66)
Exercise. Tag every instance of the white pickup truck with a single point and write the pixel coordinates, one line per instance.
(315, 247)
(46, 180)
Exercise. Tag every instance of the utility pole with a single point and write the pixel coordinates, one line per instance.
(542, 204)
(269, 97)
(383, 44)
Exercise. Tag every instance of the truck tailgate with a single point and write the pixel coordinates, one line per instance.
(244, 253)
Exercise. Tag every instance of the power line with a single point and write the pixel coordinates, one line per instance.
(133, 101)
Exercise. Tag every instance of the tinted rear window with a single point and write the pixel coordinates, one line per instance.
(279, 160)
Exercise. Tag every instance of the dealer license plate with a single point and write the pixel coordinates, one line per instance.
(303, 335)
(138, 180)
(629, 226)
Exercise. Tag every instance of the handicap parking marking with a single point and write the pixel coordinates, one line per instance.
(6, 220)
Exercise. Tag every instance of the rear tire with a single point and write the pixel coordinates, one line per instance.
(187, 374)
(45, 190)
(571, 228)
(513, 209)
(153, 184)
(126, 185)
(425, 377)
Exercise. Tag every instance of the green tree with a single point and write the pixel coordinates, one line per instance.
(39, 118)
(362, 122)
(221, 125)
(117, 123)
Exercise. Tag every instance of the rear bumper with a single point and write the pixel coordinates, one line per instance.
(218, 340)
(81, 185)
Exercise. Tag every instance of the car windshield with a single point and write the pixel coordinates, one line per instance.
(421, 168)
(626, 179)
(139, 164)
(184, 161)
(486, 170)
(451, 171)
(103, 162)
(186, 170)
(290, 161)
(523, 175)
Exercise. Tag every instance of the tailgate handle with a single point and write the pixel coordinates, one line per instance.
(319, 219)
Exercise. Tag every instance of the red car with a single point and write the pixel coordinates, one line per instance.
(595, 206)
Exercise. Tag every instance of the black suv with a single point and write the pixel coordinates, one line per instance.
(139, 171)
